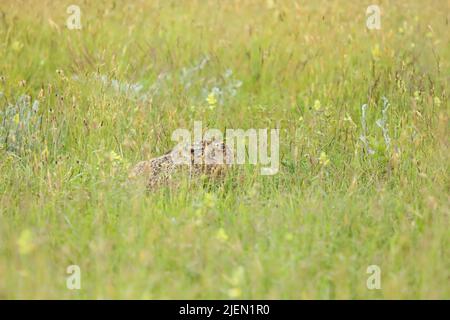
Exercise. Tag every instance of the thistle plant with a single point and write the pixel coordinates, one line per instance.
(20, 123)
(382, 123)
(363, 136)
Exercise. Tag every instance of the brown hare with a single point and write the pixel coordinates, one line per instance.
(209, 158)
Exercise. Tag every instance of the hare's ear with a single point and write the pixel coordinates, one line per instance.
(192, 148)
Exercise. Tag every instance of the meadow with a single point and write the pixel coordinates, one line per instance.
(364, 152)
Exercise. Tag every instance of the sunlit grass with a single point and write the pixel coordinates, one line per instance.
(358, 185)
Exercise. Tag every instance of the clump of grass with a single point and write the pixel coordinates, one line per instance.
(357, 186)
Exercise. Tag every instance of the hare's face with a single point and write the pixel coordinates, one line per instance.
(217, 153)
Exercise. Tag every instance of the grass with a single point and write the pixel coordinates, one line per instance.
(80, 107)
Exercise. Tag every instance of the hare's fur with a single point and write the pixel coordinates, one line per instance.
(209, 158)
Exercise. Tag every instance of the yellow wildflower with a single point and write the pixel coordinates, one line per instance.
(234, 293)
(17, 46)
(25, 242)
(221, 235)
(16, 119)
(317, 105)
(437, 101)
(289, 236)
(323, 159)
(114, 156)
(376, 53)
(212, 101)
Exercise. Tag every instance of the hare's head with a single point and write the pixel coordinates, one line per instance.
(204, 152)
(216, 152)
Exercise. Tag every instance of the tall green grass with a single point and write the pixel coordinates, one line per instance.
(111, 94)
